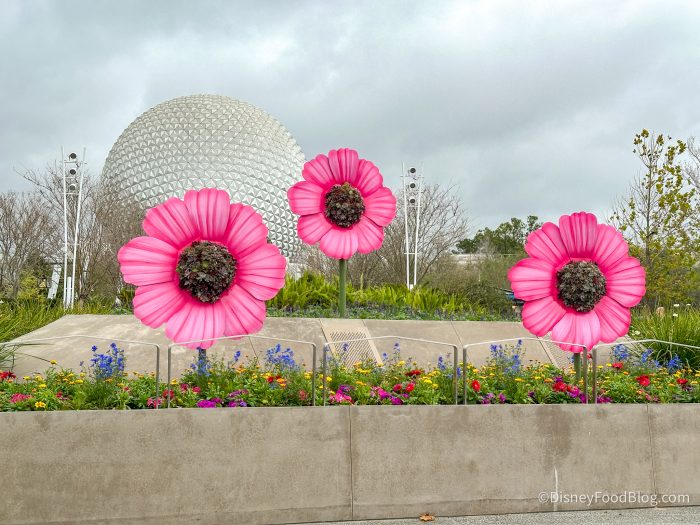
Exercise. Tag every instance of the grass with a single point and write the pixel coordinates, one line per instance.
(679, 324)
(21, 317)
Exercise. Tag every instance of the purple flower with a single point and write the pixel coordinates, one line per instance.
(206, 403)
(396, 401)
(501, 397)
(604, 399)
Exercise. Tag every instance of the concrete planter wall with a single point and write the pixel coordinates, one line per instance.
(284, 465)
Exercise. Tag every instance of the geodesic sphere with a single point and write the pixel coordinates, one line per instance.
(210, 141)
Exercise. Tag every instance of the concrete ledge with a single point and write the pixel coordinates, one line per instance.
(285, 465)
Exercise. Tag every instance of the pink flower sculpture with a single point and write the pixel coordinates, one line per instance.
(343, 203)
(205, 269)
(579, 282)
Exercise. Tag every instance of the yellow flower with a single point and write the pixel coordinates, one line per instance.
(26, 378)
(38, 378)
(518, 379)
(42, 385)
(608, 364)
(39, 404)
(307, 375)
(401, 363)
(329, 379)
(625, 372)
(476, 370)
(53, 361)
(173, 381)
(360, 383)
(537, 377)
(434, 386)
(78, 381)
(600, 367)
(693, 382)
(82, 374)
(549, 380)
(427, 381)
(491, 374)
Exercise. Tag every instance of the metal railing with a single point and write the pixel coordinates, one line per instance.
(237, 337)
(92, 338)
(326, 348)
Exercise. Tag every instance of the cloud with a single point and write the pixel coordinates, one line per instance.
(530, 107)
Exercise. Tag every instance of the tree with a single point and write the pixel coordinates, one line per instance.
(657, 219)
(508, 238)
(24, 223)
(106, 223)
(443, 223)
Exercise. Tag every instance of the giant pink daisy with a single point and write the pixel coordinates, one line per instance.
(579, 282)
(205, 269)
(343, 203)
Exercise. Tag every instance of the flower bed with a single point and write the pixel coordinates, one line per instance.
(279, 381)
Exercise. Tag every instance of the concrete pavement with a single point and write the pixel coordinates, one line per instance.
(141, 358)
(652, 516)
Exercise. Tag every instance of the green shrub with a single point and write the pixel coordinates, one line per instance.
(679, 324)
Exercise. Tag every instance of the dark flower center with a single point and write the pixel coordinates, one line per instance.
(206, 270)
(344, 205)
(581, 285)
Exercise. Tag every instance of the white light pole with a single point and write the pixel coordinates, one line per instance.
(412, 192)
(72, 171)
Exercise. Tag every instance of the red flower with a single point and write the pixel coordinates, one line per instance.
(643, 380)
(476, 386)
(414, 373)
(559, 386)
(168, 394)
(410, 387)
(681, 381)
(270, 379)
(7, 375)
(397, 388)
(618, 365)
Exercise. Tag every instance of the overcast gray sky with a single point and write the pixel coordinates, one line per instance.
(530, 107)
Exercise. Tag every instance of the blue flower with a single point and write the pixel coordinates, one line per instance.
(674, 363)
(105, 366)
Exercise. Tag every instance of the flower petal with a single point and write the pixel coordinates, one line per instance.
(209, 208)
(380, 207)
(244, 313)
(614, 319)
(579, 232)
(610, 247)
(532, 279)
(245, 232)
(318, 171)
(367, 178)
(626, 282)
(311, 228)
(155, 304)
(540, 316)
(343, 164)
(339, 243)
(306, 198)
(197, 322)
(369, 236)
(147, 260)
(546, 243)
(262, 272)
(577, 328)
(171, 222)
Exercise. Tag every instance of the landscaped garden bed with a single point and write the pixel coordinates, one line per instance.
(278, 380)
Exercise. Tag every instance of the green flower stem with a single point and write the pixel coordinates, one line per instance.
(577, 365)
(343, 274)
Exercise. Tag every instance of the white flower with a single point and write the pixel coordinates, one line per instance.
(676, 305)
(675, 315)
